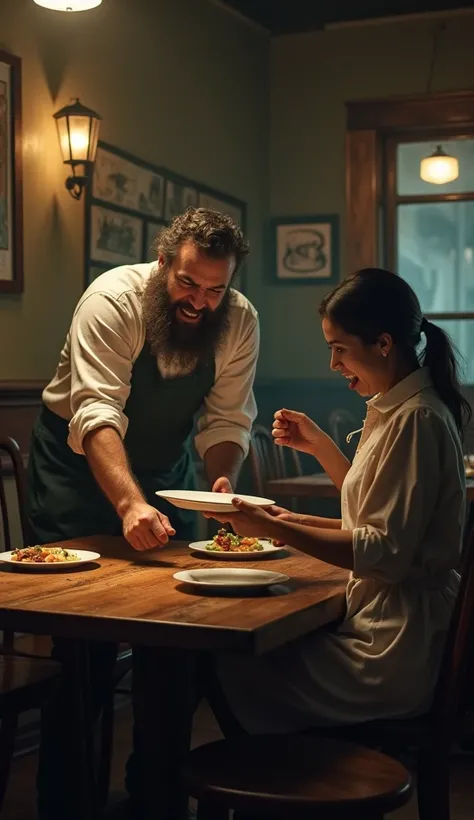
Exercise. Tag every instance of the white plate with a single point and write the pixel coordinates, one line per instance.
(235, 555)
(83, 557)
(209, 502)
(230, 578)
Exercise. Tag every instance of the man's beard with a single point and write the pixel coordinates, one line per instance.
(177, 342)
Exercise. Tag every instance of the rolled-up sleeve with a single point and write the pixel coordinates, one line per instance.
(229, 408)
(101, 345)
(398, 507)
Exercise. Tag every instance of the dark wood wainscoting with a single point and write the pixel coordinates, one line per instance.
(20, 402)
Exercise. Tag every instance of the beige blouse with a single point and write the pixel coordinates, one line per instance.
(404, 500)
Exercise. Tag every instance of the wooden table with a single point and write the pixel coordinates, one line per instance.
(319, 485)
(133, 597)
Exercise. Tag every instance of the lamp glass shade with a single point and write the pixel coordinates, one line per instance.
(78, 131)
(68, 5)
(439, 168)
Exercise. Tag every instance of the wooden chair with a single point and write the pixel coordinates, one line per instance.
(25, 680)
(268, 461)
(294, 777)
(341, 423)
(38, 648)
(451, 718)
(27, 646)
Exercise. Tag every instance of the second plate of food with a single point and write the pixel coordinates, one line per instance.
(232, 547)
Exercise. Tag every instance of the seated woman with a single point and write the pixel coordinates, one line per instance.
(403, 502)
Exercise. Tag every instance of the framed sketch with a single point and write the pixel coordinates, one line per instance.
(306, 249)
(93, 271)
(223, 206)
(152, 230)
(11, 202)
(123, 180)
(115, 237)
(178, 197)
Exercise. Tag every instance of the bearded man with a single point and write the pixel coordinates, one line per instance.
(151, 347)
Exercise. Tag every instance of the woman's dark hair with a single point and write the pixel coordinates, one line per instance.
(374, 301)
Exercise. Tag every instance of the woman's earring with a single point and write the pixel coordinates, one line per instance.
(384, 353)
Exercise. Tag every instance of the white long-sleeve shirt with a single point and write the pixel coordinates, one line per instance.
(92, 382)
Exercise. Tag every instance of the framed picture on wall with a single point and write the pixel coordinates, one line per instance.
(11, 202)
(178, 198)
(305, 249)
(116, 238)
(128, 182)
(152, 230)
(94, 271)
(232, 209)
(128, 203)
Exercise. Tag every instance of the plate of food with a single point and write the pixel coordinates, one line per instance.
(230, 579)
(47, 558)
(209, 502)
(236, 547)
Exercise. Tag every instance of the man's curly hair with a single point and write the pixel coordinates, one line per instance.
(215, 234)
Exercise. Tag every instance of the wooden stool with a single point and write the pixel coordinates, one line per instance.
(296, 776)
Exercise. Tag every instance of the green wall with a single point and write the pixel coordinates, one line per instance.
(312, 76)
(182, 84)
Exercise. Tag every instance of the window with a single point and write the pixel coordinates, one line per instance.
(429, 233)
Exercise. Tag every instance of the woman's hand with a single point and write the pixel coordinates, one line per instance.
(296, 430)
(246, 520)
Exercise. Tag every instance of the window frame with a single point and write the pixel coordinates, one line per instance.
(392, 200)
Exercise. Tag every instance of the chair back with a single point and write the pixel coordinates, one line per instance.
(270, 461)
(341, 423)
(455, 687)
(11, 463)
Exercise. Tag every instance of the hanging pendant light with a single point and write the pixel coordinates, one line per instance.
(68, 5)
(439, 167)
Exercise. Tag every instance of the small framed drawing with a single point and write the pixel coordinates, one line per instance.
(93, 271)
(152, 230)
(115, 237)
(224, 207)
(178, 197)
(128, 182)
(306, 249)
(11, 204)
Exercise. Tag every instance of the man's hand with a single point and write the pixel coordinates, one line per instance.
(222, 485)
(144, 527)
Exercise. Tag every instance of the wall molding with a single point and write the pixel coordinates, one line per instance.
(20, 403)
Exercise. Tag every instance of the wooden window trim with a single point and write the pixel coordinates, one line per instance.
(368, 124)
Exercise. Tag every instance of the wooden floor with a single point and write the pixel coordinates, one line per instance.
(20, 801)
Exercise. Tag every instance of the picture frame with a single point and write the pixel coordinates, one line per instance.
(123, 180)
(305, 249)
(116, 237)
(179, 196)
(11, 198)
(151, 232)
(130, 200)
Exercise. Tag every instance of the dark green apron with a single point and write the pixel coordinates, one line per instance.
(64, 499)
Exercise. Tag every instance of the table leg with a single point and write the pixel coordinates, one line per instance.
(164, 699)
(83, 728)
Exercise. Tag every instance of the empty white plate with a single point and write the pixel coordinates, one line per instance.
(209, 502)
(83, 557)
(236, 555)
(230, 578)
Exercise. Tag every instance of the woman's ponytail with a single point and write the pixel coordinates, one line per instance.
(440, 359)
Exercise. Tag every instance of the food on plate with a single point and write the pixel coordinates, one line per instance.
(43, 555)
(229, 542)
